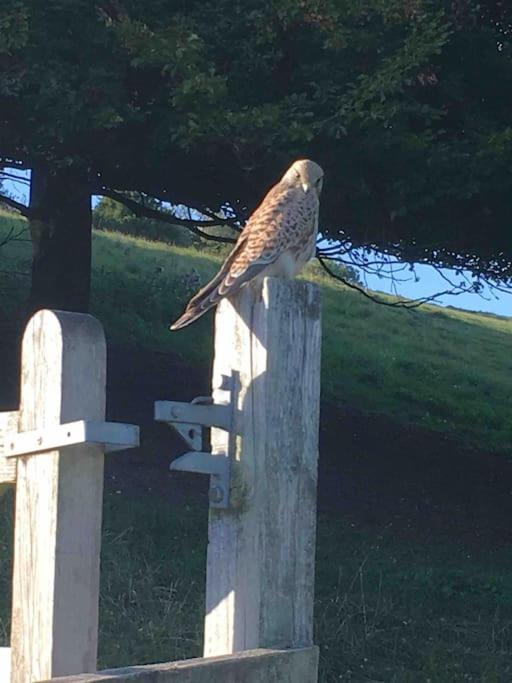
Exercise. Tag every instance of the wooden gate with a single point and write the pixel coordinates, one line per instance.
(264, 416)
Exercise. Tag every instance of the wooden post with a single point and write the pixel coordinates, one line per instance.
(58, 502)
(261, 552)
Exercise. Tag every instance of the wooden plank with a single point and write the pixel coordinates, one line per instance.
(259, 666)
(261, 552)
(5, 664)
(8, 424)
(58, 502)
(112, 435)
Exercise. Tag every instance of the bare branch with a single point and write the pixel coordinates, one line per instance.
(369, 260)
(402, 303)
(13, 236)
(16, 178)
(7, 238)
(233, 223)
(351, 285)
(24, 210)
(140, 210)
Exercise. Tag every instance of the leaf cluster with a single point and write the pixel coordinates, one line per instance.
(405, 103)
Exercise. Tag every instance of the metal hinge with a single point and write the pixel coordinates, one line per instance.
(188, 419)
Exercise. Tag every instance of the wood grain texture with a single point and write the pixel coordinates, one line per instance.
(261, 552)
(8, 424)
(58, 502)
(259, 666)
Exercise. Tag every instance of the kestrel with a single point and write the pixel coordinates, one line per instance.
(278, 239)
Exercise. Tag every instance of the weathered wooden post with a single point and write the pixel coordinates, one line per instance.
(58, 502)
(55, 456)
(261, 552)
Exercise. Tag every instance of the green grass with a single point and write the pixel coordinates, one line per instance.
(387, 608)
(391, 610)
(443, 369)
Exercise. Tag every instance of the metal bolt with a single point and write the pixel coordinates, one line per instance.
(216, 494)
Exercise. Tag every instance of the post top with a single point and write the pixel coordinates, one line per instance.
(65, 324)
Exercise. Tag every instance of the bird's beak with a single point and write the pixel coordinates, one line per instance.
(305, 187)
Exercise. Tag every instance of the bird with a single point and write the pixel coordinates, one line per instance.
(278, 239)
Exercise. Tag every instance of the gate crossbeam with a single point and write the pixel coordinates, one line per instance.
(113, 436)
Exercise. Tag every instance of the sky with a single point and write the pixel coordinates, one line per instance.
(430, 282)
(425, 281)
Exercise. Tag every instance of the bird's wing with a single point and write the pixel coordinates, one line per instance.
(277, 225)
(222, 284)
(218, 286)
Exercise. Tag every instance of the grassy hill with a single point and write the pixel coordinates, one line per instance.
(443, 369)
(397, 600)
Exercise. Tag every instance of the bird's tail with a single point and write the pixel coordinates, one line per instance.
(225, 283)
(206, 298)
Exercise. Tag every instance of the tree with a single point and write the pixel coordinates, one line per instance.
(112, 215)
(405, 103)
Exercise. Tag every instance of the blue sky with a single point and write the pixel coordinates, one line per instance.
(424, 282)
(430, 281)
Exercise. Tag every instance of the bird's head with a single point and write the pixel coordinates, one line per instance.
(306, 174)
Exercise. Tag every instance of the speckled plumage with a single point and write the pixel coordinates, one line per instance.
(278, 239)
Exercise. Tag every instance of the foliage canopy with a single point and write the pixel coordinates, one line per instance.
(405, 103)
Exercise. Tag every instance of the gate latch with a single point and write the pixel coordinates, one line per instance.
(189, 419)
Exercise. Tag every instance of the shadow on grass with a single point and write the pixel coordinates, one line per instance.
(386, 610)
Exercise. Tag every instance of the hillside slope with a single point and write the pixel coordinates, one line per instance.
(443, 369)
(413, 556)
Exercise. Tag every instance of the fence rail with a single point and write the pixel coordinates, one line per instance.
(256, 666)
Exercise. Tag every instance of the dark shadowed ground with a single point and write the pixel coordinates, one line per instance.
(375, 472)
(413, 572)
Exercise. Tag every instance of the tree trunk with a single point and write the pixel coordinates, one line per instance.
(60, 227)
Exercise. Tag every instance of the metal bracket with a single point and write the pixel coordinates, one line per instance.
(217, 466)
(188, 419)
(113, 436)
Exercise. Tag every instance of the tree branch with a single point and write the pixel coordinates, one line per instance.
(13, 236)
(140, 210)
(232, 222)
(24, 210)
(403, 303)
(17, 178)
